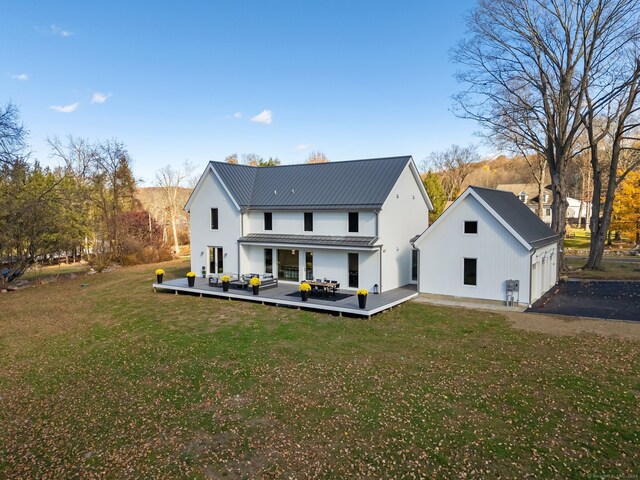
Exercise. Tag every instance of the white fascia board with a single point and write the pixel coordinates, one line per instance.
(418, 178)
(441, 218)
(201, 181)
(501, 220)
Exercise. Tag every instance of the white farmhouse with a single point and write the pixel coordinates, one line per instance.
(349, 222)
(484, 239)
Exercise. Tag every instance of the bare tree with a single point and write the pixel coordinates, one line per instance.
(529, 66)
(317, 156)
(233, 158)
(12, 135)
(454, 165)
(173, 182)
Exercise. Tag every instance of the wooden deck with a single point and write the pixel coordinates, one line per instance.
(278, 296)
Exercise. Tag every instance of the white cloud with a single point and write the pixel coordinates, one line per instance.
(100, 97)
(237, 115)
(65, 108)
(301, 147)
(263, 117)
(23, 77)
(56, 30)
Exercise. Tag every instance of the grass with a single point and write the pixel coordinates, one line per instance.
(54, 271)
(115, 381)
(612, 269)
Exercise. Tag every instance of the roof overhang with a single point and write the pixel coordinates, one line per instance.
(316, 241)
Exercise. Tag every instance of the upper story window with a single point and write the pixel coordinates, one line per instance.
(268, 221)
(353, 222)
(523, 197)
(546, 197)
(471, 227)
(308, 221)
(214, 219)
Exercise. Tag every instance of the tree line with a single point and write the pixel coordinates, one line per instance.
(85, 207)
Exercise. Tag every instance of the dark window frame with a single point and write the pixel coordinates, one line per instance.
(215, 219)
(354, 222)
(473, 225)
(470, 272)
(268, 221)
(308, 221)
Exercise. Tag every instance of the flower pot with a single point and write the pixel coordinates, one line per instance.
(225, 286)
(362, 301)
(159, 278)
(304, 295)
(191, 281)
(256, 289)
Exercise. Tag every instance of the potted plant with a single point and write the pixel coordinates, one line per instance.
(204, 272)
(305, 288)
(362, 297)
(225, 279)
(255, 283)
(159, 275)
(191, 278)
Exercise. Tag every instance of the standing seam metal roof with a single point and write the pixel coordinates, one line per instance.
(354, 184)
(526, 223)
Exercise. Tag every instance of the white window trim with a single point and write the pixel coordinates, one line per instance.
(477, 227)
(465, 284)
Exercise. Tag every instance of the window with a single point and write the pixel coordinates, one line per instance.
(470, 271)
(353, 222)
(523, 197)
(214, 219)
(547, 212)
(268, 260)
(546, 197)
(353, 270)
(308, 221)
(268, 221)
(471, 227)
(288, 265)
(308, 271)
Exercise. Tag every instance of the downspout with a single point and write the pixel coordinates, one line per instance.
(241, 235)
(377, 212)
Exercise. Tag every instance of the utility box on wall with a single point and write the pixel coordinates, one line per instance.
(513, 285)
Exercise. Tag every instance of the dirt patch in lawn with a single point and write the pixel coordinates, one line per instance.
(564, 326)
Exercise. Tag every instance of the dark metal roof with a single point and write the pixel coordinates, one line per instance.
(515, 213)
(330, 240)
(335, 185)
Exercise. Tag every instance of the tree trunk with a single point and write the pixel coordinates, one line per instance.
(176, 245)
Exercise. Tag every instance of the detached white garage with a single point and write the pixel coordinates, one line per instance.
(488, 245)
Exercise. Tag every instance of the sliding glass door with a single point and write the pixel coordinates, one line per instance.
(288, 266)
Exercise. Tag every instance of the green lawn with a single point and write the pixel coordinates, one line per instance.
(615, 268)
(114, 381)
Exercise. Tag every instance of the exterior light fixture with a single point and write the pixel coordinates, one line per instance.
(375, 289)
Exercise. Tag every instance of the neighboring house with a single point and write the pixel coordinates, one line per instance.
(345, 221)
(528, 194)
(485, 238)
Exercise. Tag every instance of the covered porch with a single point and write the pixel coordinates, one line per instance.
(285, 295)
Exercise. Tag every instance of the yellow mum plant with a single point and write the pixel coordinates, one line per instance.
(191, 274)
(225, 278)
(305, 287)
(362, 291)
(255, 281)
(159, 271)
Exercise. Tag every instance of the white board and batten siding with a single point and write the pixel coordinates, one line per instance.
(500, 256)
(325, 222)
(211, 194)
(403, 216)
(543, 270)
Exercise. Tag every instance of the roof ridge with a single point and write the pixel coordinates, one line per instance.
(397, 157)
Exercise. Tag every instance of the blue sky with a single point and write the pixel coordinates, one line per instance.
(197, 81)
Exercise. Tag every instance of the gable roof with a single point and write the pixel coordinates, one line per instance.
(335, 185)
(514, 215)
(526, 223)
(530, 189)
